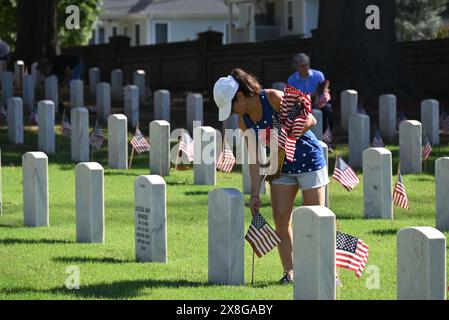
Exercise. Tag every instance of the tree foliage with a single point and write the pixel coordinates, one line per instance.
(419, 19)
(89, 11)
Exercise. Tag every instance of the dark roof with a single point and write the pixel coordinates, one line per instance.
(206, 8)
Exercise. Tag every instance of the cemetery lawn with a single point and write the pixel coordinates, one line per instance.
(33, 261)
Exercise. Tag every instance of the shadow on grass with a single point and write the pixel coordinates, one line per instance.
(116, 290)
(91, 260)
(384, 232)
(12, 241)
(196, 193)
(8, 226)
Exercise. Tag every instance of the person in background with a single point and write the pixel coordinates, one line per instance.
(65, 68)
(311, 82)
(4, 51)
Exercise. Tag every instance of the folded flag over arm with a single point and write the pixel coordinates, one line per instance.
(261, 236)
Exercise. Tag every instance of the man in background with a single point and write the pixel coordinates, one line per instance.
(310, 82)
(65, 68)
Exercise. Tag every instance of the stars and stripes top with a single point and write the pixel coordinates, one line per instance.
(308, 156)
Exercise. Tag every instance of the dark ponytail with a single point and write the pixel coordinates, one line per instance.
(248, 83)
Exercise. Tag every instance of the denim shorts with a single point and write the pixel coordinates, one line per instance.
(305, 180)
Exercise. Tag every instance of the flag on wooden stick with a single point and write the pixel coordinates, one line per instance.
(139, 142)
(96, 139)
(400, 198)
(351, 253)
(261, 236)
(345, 175)
(226, 160)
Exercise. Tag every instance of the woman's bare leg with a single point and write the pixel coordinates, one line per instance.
(282, 199)
(314, 197)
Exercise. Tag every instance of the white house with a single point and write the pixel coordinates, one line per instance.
(161, 21)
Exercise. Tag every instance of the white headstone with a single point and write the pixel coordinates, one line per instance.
(387, 116)
(204, 163)
(19, 71)
(35, 189)
(314, 246)
(46, 133)
(421, 264)
(80, 134)
(359, 138)
(160, 147)
(194, 110)
(430, 119)
(132, 104)
(94, 79)
(103, 101)
(52, 89)
(441, 194)
(225, 237)
(7, 87)
(117, 141)
(349, 101)
(162, 105)
(410, 146)
(15, 120)
(139, 82)
(116, 85)
(76, 94)
(318, 128)
(89, 202)
(150, 219)
(325, 149)
(377, 192)
(28, 93)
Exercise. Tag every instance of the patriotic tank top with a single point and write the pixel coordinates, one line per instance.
(308, 153)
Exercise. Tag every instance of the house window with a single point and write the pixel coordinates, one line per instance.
(92, 39)
(161, 32)
(289, 15)
(101, 35)
(137, 34)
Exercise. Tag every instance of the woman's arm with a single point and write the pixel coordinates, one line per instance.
(254, 202)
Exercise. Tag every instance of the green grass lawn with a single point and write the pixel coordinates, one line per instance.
(33, 261)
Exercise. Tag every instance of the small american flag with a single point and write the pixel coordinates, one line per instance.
(401, 118)
(377, 141)
(96, 138)
(261, 236)
(66, 127)
(33, 118)
(327, 137)
(186, 145)
(444, 121)
(427, 149)
(351, 253)
(226, 160)
(139, 143)
(345, 175)
(361, 110)
(400, 198)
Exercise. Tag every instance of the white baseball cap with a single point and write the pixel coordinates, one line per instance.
(224, 91)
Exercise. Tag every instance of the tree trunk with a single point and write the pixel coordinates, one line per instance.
(354, 57)
(36, 30)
